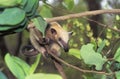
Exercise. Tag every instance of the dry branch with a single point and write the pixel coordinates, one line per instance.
(80, 69)
(37, 46)
(78, 15)
(103, 25)
(87, 13)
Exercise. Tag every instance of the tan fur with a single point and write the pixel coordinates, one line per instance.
(61, 33)
(55, 49)
(53, 39)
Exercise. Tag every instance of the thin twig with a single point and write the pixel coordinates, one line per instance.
(79, 69)
(88, 13)
(60, 69)
(103, 25)
(57, 63)
(37, 46)
(34, 36)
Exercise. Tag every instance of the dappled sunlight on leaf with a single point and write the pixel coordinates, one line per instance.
(117, 55)
(91, 57)
(75, 52)
(43, 76)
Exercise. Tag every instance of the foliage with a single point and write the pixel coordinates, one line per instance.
(7, 3)
(75, 52)
(69, 4)
(117, 55)
(98, 54)
(90, 56)
(43, 76)
(10, 22)
(40, 24)
(117, 74)
(95, 52)
(2, 75)
(15, 64)
(46, 12)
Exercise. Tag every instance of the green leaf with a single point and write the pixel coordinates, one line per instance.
(24, 66)
(16, 66)
(91, 57)
(117, 55)
(46, 12)
(35, 64)
(116, 66)
(75, 52)
(9, 3)
(13, 29)
(23, 3)
(22, 26)
(33, 12)
(101, 46)
(12, 16)
(69, 4)
(41, 24)
(43, 76)
(16, 28)
(2, 76)
(4, 28)
(117, 17)
(117, 74)
(29, 6)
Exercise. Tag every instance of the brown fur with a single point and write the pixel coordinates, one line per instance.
(58, 35)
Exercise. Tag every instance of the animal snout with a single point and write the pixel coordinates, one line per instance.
(66, 48)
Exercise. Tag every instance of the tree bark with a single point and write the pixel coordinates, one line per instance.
(3, 48)
(94, 5)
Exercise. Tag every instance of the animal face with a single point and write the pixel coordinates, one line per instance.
(59, 35)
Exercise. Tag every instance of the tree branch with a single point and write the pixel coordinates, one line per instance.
(87, 13)
(37, 46)
(60, 69)
(33, 36)
(79, 69)
(103, 25)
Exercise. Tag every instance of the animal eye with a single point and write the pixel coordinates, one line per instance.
(59, 39)
(53, 31)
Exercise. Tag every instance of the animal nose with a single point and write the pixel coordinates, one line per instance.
(64, 45)
(66, 48)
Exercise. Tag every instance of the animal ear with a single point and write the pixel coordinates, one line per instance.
(53, 31)
(70, 33)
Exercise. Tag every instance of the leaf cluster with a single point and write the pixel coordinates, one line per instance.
(15, 15)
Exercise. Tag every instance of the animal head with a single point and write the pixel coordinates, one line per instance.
(57, 34)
